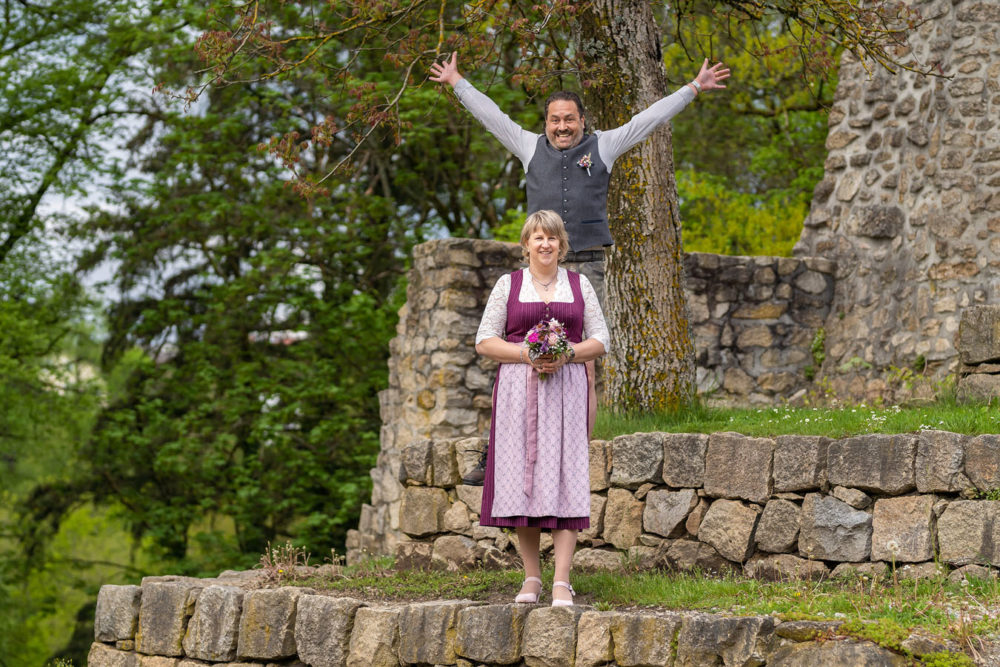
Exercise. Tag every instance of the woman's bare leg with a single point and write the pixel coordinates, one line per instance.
(564, 543)
(528, 539)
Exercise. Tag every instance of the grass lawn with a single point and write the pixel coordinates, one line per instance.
(842, 422)
(884, 610)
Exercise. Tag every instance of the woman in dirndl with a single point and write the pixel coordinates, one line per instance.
(537, 467)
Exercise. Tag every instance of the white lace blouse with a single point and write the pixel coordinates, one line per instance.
(494, 320)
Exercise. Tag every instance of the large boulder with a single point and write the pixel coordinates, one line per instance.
(684, 459)
(903, 529)
(778, 528)
(636, 459)
(982, 462)
(267, 623)
(622, 518)
(979, 334)
(968, 531)
(213, 630)
(833, 530)
(550, 637)
(877, 463)
(835, 654)
(940, 462)
(491, 633)
(427, 631)
(800, 462)
(666, 511)
(164, 610)
(323, 628)
(117, 613)
(422, 510)
(729, 527)
(375, 638)
(707, 639)
(594, 647)
(644, 638)
(738, 467)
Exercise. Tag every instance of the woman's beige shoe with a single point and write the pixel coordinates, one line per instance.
(562, 603)
(530, 598)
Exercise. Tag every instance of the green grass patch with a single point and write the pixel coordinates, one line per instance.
(841, 422)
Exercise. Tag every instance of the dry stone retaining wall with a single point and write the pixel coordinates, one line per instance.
(182, 622)
(793, 506)
(753, 322)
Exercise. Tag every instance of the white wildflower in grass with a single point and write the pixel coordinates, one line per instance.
(892, 546)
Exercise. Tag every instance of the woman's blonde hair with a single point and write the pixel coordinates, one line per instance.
(550, 223)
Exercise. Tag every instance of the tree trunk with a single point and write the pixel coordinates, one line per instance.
(651, 363)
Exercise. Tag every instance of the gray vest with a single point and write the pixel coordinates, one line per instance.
(557, 182)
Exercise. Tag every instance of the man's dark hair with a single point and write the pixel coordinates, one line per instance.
(567, 96)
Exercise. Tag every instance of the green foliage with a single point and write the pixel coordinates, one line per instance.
(720, 219)
(818, 347)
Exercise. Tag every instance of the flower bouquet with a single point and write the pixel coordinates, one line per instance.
(547, 338)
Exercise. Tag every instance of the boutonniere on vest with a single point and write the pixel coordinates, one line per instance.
(585, 163)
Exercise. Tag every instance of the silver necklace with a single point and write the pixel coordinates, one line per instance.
(544, 285)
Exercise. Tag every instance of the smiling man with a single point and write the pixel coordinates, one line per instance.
(568, 169)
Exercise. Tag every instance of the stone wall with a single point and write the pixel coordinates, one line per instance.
(179, 622)
(753, 323)
(909, 207)
(795, 506)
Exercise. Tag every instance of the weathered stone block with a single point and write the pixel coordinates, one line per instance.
(594, 646)
(597, 504)
(982, 462)
(785, 567)
(323, 629)
(117, 613)
(738, 467)
(968, 531)
(778, 528)
(163, 614)
(979, 334)
(644, 639)
(684, 459)
(859, 500)
(878, 463)
(666, 511)
(454, 553)
(691, 554)
(860, 570)
(880, 222)
(416, 462)
(622, 519)
(804, 631)
(550, 637)
(422, 510)
(444, 465)
(729, 527)
(375, 638)
(457, 519)
(267, 624)
(213, 629)
(710, 640)
(978, 387)
(833, 530)
(491, 633)
(903, 529)
(597, 560)
(427, 631)
(102, 655)
(940, 462)
(835, 654)
(413, 555)
(472, 496)
(636, 459)
(800, 462)
(600, 465)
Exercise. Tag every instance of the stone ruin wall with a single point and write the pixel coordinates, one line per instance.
(231, 620)
(753, 321)
(909, 208)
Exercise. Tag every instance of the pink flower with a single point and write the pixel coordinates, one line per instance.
(533, 337)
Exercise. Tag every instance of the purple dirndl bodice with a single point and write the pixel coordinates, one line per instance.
(537, 468)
